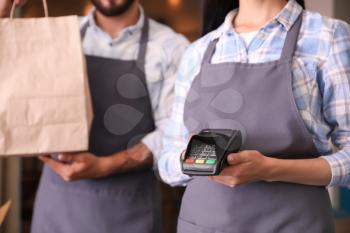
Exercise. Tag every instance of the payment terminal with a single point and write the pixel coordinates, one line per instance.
(206, 153)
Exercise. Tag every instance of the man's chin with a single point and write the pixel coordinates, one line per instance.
(109, 9)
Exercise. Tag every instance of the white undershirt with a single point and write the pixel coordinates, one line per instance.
(248, 37)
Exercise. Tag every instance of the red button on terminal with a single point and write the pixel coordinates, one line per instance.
(189, 161)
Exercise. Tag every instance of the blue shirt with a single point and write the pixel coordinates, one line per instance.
(164, 51)
(321, 83)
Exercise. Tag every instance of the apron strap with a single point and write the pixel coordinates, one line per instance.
(84, 29)
(141, 57)
(210, 51)
(291, 41)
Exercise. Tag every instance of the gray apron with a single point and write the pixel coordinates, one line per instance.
(258, 100)
(122, 116)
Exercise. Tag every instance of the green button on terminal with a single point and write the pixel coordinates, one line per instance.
(211, 161)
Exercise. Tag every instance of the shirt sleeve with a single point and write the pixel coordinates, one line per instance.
(176, 135)
(335, 75)
(162, 110)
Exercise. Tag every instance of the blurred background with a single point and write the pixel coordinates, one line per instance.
(19, 177)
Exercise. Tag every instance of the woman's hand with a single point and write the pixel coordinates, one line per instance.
(251, 166)
(5, 6)
(244, 167)
(73, 167)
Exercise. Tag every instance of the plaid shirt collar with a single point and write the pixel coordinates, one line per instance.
(286, 17)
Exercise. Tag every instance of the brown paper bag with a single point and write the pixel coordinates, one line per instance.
(3, 211)
(45, 103)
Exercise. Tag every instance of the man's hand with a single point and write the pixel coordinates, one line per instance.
(5, 6)
(73, 167)
(140, 152)
(244, 167)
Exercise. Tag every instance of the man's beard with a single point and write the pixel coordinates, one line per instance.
(114, 9)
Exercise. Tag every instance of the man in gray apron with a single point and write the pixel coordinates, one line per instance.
(248, 105)
(131, 63)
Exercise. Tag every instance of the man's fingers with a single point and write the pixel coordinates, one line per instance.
(44, 158)
(53, 164)
(64, 170)
(20, 2)
(79, 157)
(65, 158)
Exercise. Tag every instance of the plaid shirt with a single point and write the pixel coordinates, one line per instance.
(321, 83)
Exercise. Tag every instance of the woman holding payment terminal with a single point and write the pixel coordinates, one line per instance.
(280, 76)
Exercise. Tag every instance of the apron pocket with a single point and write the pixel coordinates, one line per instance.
(60, 210)
(127, 185)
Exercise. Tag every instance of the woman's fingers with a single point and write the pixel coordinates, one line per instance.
(225, 180)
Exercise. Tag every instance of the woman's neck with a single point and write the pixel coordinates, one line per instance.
(113, 25)
(254, 14)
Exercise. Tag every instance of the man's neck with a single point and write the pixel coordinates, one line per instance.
(113, 25)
